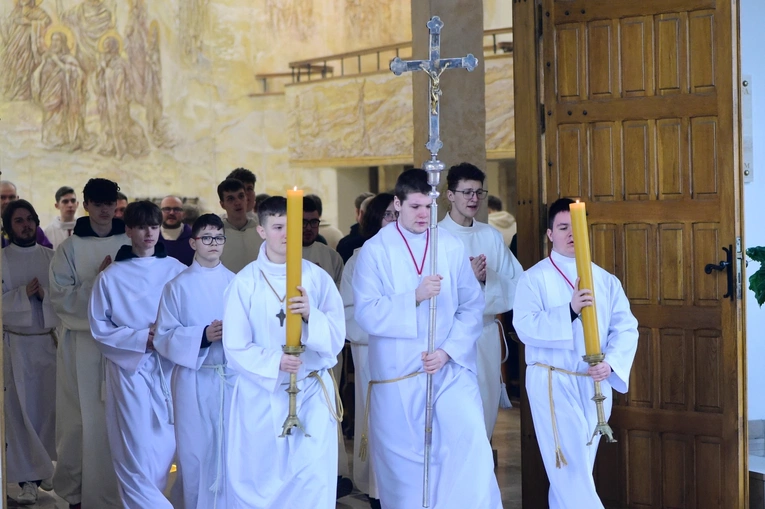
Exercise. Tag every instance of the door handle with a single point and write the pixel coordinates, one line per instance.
(724, 265)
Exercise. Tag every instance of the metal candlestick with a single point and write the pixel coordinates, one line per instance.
(602, 428)
(292, 420)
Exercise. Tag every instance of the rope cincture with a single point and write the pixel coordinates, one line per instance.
(220, 370)
(337, 412)
(560, 459)
(165, 390)
(49, 332)
(365, 428)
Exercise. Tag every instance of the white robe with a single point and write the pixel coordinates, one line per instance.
(363, 472)
(58, 231)
(542, 319)
(30, 365)
(331, 261)
(502, 274)
(267, 471)
(202, 383)
(384, 284)
(242, 246)
(80, 385)
(123, 306)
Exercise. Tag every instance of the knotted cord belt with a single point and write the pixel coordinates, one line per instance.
(365, 428)
(560, 459)
(165, 390)
(338, 411)
(220, 370)
(49, 332)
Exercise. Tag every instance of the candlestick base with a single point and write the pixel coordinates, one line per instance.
(602, 428)
(292, 420)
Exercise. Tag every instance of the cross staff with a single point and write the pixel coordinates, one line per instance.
(434, 67)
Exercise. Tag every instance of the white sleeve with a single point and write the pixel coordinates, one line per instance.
(121, 344)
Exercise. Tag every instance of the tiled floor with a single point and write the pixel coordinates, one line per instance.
(507, 441)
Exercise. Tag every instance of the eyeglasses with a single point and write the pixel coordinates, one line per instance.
(390, 214)
(177, 210)
(469, 193)
(313, 223)
(207, 240)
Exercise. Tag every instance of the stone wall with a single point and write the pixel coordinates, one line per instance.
(367, 119)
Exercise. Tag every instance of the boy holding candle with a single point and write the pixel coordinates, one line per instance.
(547, 308)
(267, 470)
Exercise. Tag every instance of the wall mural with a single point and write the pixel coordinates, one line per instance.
(71, 61)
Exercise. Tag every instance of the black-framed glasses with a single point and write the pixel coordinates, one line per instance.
(177, 210)
(390, 215)
(313, 223)
(469, 193)
(207, 240)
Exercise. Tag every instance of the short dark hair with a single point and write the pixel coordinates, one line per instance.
(13, 207)
(558, 206)
(190, 213)
(371, 221)
(463, 171)
(411, 181)
(309, 205)
(243, 174)
(229, 185)
(205, 220)
(317, 201)
(495, 203)
(360, 199)
(121, 196)
(272, 206)
(142, 213)
(63, 191)
(100, 190)
(261, 197)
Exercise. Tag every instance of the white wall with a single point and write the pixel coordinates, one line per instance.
(753, 63)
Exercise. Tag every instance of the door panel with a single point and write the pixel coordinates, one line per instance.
(641, 115)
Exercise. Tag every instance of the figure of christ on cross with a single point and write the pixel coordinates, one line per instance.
(434, 67)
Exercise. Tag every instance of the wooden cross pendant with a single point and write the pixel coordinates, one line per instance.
(281, 316)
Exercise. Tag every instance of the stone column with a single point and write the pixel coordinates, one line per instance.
(463, 105)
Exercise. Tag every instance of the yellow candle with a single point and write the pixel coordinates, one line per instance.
(294, 260)
(584, 270)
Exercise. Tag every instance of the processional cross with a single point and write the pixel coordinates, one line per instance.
(434, 67)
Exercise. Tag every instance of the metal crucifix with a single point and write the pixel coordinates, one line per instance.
(434, 67)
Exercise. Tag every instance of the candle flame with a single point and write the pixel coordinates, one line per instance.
(294, 188)
(577, 200)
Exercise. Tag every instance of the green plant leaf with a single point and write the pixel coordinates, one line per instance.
(756, 253)
(757, 284)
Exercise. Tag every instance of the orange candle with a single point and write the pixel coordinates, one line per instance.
(584, 270)
(294, 260)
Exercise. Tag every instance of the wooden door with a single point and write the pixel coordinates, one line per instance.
(641, 112)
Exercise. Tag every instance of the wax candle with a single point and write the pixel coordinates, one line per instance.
(584, 270)
(294, 260)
